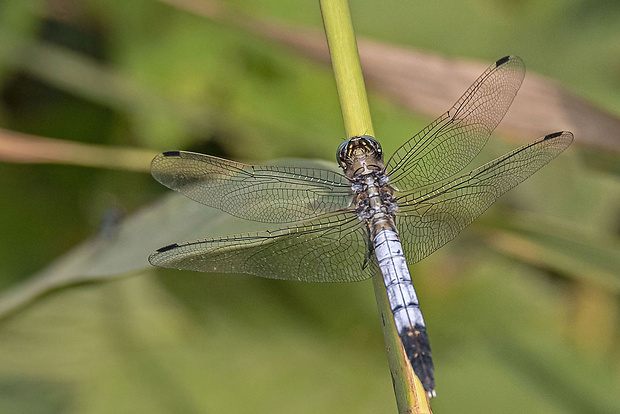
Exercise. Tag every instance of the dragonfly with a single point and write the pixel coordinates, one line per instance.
(372, 218)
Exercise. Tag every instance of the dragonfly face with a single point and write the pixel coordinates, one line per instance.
(360, 155)
(376, 218)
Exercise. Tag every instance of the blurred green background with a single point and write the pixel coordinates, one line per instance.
(522, 307)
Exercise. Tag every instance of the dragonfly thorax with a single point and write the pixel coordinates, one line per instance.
(374, 198)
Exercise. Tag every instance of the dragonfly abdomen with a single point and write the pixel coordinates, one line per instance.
(405, 306)
(418, 350)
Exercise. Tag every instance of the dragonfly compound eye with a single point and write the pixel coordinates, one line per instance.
(341, 153)
(372, 143)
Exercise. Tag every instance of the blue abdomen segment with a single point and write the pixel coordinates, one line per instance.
(405, 306)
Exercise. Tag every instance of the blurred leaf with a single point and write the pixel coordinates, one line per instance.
(565, 250)
(34, 395)
(125, 248)
(91, 80)
(572, 387)
(131, 346)
(15, 17)
(602, 161)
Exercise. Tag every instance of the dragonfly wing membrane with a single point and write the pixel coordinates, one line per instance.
(448, 144)
(429, 218)
(332, 248)
(259, 193)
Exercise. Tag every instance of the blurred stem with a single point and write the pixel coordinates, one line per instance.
(23, 148)
(410, 395)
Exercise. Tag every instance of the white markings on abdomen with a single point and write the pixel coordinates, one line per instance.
(405, 307)
(401, 294)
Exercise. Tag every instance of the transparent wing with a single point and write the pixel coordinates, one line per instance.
(332, 248)
(429, 218)
(259, 193)
(448, 144)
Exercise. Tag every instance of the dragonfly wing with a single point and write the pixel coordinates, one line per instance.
(429, 218)
(332, 248)
(259, 193)
(448, 144)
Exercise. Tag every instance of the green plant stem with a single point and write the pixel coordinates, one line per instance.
(410, 395)
(347, 69)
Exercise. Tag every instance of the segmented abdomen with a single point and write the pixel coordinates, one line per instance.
(405, 306)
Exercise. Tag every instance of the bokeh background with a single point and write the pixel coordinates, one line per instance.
(522, 307)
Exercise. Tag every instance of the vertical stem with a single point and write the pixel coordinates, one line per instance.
(347, 69)
(410, 395)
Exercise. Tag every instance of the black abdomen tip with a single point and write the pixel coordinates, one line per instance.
(418, 349)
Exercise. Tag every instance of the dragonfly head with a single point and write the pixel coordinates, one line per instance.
(359, 155)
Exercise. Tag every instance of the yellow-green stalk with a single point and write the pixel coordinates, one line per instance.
(410, 395)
